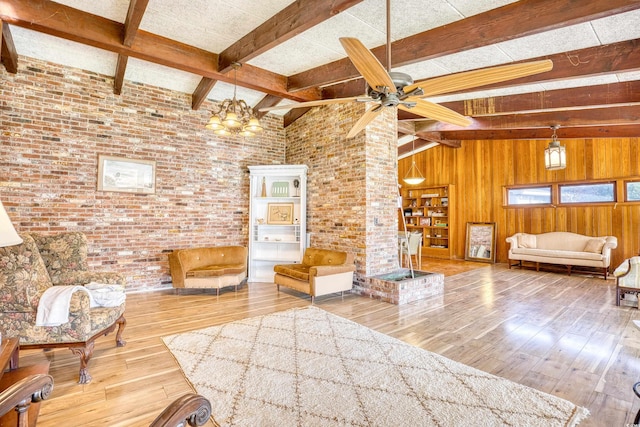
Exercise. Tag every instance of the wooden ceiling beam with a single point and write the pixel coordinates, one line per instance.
(266, 102)
(132, 22)
(625, 93)
(118, 79)
(289, 22)
(497, 25)
(201, 92)
(606, 95)
(8, 54)
(72, 24)
(610, 116)
(293, 115)
(406, 128)
(622, 131)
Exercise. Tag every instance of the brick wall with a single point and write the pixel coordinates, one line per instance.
(352, 184)
(54, 121)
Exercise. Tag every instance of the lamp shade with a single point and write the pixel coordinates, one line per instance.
(8, 235)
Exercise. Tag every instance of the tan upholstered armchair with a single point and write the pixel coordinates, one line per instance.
(321, 272)
(23, 281)
(627, 278)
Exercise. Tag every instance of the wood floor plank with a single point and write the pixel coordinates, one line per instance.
(560, 334)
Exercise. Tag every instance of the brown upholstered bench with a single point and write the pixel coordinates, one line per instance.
(213, 267)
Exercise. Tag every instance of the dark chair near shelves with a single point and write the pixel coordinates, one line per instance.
(413, 249)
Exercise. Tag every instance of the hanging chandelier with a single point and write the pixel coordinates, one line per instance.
(413, 175)
(555, 157)
(234, 116)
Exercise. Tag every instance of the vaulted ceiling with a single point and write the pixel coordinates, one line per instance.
(290, 53)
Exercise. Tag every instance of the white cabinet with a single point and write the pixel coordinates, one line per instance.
(277, 218)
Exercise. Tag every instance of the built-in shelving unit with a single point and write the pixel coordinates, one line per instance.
(277, 218)
(428, 210)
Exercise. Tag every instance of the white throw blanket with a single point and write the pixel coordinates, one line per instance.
(106, 295)
(53, 308)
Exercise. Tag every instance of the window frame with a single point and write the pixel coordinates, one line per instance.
(528, 187)
(626, 190)
(585, 184)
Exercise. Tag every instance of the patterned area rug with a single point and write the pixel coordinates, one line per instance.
(308, 367)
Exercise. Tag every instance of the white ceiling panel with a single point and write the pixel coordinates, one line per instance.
(408, 17)
(556, 41)
(159, 75)
(222, 91)
(316, 46)
(629, 76)
(625, 26)
(116, 10)
(473, 7)
(64, 52)
(480, 57)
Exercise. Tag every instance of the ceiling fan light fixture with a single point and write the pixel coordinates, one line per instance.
(555, 156)
(234, 116)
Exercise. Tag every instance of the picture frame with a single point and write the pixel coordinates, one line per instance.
(481, 242)
(280, 213)
(124, 175)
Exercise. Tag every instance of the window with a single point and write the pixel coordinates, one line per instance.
(632, 191)
(588, 193)
(529, 196)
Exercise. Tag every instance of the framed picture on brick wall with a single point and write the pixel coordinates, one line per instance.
(126, 175)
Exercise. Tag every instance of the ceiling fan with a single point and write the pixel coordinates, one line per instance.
(387, 89)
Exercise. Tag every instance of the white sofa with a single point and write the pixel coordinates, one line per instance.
(559, 247)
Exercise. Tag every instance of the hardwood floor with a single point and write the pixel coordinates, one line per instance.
(562, 335)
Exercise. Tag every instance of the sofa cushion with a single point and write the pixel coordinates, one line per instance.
(295, 271)
(594, 245)
(527, 241)
(216, 270)
(550, 253)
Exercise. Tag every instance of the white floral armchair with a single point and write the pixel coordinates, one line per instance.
(627, 278)
(23, 280)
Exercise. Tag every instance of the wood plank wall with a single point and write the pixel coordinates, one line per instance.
(481, 169)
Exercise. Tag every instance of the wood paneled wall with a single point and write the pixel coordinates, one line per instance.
(481, 169)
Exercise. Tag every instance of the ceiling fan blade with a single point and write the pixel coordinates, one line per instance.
(367, 64)
(436, 112)
(316, 103)
(364, 120)
(476, 78)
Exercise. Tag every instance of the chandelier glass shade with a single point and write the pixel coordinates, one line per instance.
(555, 156)
(413, 175)
(234, 116)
